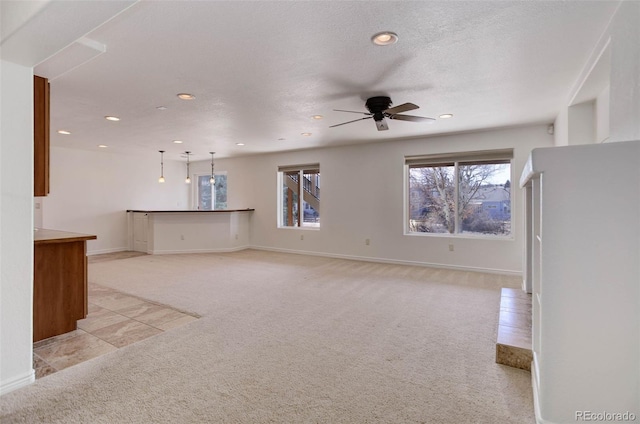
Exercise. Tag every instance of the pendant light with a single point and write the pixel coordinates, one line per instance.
(212, 180)
(161, 179)
(188, 179)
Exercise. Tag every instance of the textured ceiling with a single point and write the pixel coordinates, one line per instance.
(260, 70)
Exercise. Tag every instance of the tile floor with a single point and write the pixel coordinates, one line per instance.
(115, 320)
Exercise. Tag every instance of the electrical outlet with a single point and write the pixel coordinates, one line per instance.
(236, 237)
(367, 242)
(181, 236)
(451, 248)
(301, 236)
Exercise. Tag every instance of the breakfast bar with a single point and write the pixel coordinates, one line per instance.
(188, 231)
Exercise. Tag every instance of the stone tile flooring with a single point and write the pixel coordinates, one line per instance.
(115, 320)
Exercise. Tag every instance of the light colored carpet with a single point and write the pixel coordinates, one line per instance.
(293, 339)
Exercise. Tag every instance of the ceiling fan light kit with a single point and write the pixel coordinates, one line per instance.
(380, 108)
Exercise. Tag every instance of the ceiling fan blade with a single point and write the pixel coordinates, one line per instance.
(411, 118)
(348, 122)
(382, 125)
(352, 111)
(405, 107)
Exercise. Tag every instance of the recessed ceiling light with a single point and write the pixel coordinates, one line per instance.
(384, 38)
(161, 108)
(186, 96)
(446, 115)
(318, 117)
(306, 134)
(65, 132)
(239, 144)
(281, 139)
(177, 141)
(111, 118)
(102, 146)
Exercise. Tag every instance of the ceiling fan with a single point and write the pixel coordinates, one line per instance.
(379, 109)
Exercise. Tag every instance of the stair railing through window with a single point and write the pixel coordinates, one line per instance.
(299, 196)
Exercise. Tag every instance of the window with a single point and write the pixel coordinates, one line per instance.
(299, 196)
(467, 193)
(210, 196)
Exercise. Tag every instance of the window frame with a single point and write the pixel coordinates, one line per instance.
(301, 170)
(195, 191)
(456, 160)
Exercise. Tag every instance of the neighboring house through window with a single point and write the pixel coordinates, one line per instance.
(462, 193)
(299, 196)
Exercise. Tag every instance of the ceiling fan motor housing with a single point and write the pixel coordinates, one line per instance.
(377, 105)
(380, 108)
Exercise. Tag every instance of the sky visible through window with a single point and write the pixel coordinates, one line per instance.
(502, 174)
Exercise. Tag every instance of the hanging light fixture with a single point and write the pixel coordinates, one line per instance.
(161, 179)
(188, 179)
(212, 180)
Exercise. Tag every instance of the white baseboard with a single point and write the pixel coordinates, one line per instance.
(177, 252)
(535, 376)
(323, 254)
(391, 261)
(102, 251)
(17, 382)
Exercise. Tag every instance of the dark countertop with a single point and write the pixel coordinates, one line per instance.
(193, 211)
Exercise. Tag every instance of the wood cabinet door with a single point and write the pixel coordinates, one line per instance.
(40, 136)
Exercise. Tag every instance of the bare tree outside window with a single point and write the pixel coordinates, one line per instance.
(432, 203)
(210, 196)
(460, 198)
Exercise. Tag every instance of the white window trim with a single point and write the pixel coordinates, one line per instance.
(193, 191)
(280, 182)
(456, 159)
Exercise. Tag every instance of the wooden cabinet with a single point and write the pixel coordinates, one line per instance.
(40, 136)
(59, 282)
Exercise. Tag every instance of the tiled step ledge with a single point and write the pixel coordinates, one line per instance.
(513, 344)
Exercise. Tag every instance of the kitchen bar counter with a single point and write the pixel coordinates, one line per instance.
(59, 281)
(189, 231)
(42, 235)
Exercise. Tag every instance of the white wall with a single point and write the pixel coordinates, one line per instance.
(561, 128)
(91, 190)
(28, 36)
(582, 123)
(602, 116)
(363, 198)
(239, 186)
(620, 122)
(625, 73)
(198, 232)
(623, 36)
(588, 295)
(16, 243)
